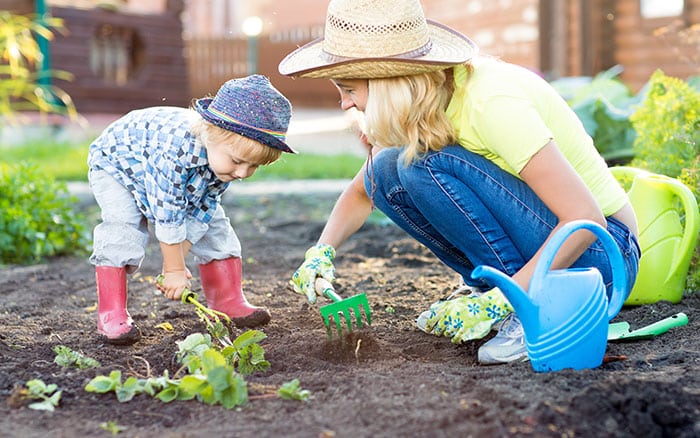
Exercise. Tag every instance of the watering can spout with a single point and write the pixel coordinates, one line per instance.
(517, 297)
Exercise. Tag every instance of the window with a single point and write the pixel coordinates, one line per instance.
(661, 8)
(116, 53)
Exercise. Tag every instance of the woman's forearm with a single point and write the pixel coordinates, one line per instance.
(351, 210)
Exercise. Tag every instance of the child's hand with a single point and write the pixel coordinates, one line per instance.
(174, 283)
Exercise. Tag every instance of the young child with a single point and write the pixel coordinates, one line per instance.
(170, 166)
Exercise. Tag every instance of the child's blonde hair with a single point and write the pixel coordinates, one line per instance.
(250, 150)
(409, 112)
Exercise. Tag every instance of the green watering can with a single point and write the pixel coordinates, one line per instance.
(667, 244)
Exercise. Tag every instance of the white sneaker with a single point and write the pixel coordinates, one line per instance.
(507, 346)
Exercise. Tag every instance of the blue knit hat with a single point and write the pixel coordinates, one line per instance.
(251, 107)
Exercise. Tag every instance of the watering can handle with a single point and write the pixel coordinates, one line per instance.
(690, 207)
(617, 265)
(692, 221)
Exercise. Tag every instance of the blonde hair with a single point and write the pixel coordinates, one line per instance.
(409, 112)
(248, 149)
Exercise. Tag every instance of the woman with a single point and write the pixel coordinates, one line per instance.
(479, 160)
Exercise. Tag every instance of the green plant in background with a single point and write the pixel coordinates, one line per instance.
(37, 217)
(22, 86)
(668, 138)
(604, 105)
(668, 126)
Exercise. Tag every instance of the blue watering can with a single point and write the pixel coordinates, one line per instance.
(565, 312)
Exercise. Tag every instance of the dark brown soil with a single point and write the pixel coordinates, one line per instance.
(389, 380)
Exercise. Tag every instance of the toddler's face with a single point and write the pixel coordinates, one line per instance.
(227, 165)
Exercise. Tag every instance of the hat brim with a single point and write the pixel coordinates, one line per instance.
(448, 48)
(202, 107)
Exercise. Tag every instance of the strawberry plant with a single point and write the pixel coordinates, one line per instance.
(292, 391)
(213, 372)
(48, 395)
(212, 375)
(66, 357)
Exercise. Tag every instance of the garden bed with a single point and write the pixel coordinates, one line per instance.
(388, 380)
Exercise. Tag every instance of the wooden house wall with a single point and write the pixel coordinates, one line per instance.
(641, 51)
(561, 38)
(160, 76)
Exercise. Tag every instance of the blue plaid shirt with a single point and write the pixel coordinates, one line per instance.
(152, 153)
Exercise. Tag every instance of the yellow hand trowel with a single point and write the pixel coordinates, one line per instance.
(341, 308)
(620, 331)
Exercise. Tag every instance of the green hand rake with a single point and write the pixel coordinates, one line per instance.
(341, 309)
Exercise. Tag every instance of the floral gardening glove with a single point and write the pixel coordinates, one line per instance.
(318, 263)
(467, 317)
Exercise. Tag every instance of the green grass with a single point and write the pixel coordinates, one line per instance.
(68, 162)
(310, 166)
(62, 161)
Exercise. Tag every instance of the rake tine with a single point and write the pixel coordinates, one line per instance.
(358, 316)
(342, 306)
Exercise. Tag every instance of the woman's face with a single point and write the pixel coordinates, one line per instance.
(353, 93)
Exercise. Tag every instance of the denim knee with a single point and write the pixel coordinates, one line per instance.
(381, 178)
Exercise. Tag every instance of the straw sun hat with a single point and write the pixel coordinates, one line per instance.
(378, 39)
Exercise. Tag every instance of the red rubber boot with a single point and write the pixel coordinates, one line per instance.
(221, 283)
(114, 324)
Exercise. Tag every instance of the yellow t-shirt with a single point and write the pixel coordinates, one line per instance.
(507, 113)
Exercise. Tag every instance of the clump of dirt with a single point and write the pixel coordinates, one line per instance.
(389, 379)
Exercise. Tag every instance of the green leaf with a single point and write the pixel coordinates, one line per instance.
(292, 391)
(112, 427)
(66, 357)
(130, 388)
(212, 359)
(169, 394)
(190, 386)
(103, 384)
(219, 378)
(44, 405)
(236, 394)
(247, 338)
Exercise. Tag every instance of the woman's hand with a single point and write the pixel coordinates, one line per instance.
(318, 262)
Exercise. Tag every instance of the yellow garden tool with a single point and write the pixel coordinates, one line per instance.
(341, 309)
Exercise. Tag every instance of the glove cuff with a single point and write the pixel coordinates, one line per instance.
(321, 250)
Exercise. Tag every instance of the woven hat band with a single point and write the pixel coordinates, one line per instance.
(223, 116)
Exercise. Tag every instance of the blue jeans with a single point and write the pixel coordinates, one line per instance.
(470, 212)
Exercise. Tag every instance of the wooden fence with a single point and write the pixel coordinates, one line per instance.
(213, 61)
